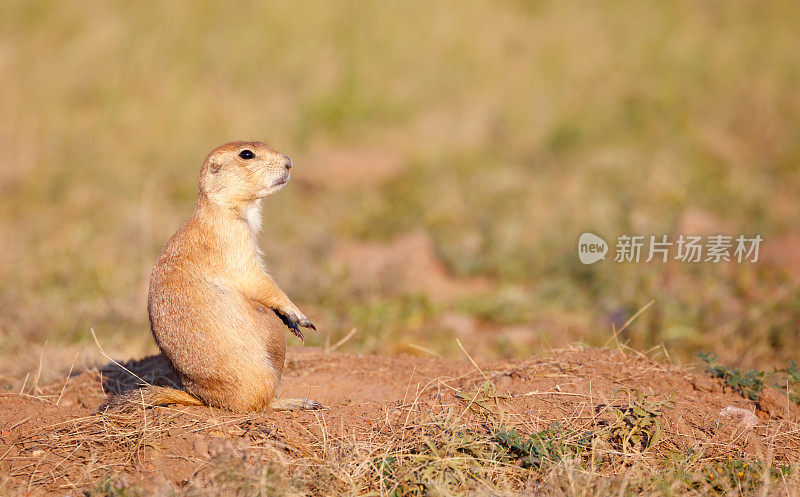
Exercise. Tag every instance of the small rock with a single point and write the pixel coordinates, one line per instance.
(704, 383)
(743, 416)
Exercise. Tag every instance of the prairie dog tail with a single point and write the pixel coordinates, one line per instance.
(151, 396)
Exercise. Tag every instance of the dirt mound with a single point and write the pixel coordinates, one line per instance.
(381, 411)
(407, 264)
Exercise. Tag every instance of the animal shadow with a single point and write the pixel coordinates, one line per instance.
(121, 377)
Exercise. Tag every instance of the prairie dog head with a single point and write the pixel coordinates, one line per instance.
(239, 173)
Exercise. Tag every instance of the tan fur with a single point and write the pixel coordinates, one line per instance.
(212, 305)
(151, 395)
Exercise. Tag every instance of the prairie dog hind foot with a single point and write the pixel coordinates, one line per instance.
(292, 404)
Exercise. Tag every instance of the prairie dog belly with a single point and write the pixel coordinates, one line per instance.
(217, 336)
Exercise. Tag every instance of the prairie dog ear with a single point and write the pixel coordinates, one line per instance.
(213, 165)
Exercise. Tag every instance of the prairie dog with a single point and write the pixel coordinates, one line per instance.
(215, 313)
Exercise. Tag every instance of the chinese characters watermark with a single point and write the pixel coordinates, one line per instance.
(685, 248)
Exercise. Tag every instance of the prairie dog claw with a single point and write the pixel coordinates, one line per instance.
(293, 318)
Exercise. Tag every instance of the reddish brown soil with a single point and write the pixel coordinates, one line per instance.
(57, 441)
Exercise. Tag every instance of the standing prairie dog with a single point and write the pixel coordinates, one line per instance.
(215, 313)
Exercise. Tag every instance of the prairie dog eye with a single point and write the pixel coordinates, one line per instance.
(246, 154)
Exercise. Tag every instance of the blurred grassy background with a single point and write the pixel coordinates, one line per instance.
(447, 155)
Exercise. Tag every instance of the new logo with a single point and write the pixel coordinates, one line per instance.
(591, 248)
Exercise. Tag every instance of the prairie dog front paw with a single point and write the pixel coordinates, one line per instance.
(293, 319)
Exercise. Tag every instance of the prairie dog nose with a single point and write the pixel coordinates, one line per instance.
(287, 162)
